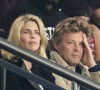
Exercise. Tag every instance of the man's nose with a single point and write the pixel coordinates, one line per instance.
(76, 47)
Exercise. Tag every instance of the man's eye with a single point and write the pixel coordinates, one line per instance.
(70, 42)
(82, 44)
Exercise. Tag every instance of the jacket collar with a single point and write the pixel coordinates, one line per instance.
(59, 60)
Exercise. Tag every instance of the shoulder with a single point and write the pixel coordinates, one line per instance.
(42, 72)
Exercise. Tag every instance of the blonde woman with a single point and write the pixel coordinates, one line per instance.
(27, 31)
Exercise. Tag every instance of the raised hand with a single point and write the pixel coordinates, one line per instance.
(87, 59)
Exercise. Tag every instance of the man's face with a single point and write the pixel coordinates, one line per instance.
(71, 47)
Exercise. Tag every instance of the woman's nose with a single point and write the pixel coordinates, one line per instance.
(32, 35)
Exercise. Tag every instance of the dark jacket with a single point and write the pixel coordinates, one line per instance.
(16, 82)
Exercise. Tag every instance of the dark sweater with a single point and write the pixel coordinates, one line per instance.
(16, 82)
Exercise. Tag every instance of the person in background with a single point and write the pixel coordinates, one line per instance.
(95, 22)
(74, 8)
(95, 18)
(27, 31)
(94, 39)
(70, 49)
(6, 7)
(94, 42)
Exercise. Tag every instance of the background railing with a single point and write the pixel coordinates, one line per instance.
(15, 69)
(49, 64)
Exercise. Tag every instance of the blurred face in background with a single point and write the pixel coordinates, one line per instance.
(97, 13)
(30, 36)
(96, 17)
(49, 5)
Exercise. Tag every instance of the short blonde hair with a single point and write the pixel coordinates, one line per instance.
(14, 35)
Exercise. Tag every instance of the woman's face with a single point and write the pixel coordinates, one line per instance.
(97, 13)
(30, 36)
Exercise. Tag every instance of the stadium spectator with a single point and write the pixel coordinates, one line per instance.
(71, 50)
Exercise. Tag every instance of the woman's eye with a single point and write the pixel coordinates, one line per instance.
(37, 32)
(25, 32)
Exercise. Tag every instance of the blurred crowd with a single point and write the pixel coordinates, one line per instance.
(51, 11)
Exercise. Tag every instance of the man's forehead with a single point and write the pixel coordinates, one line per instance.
(73, 36)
